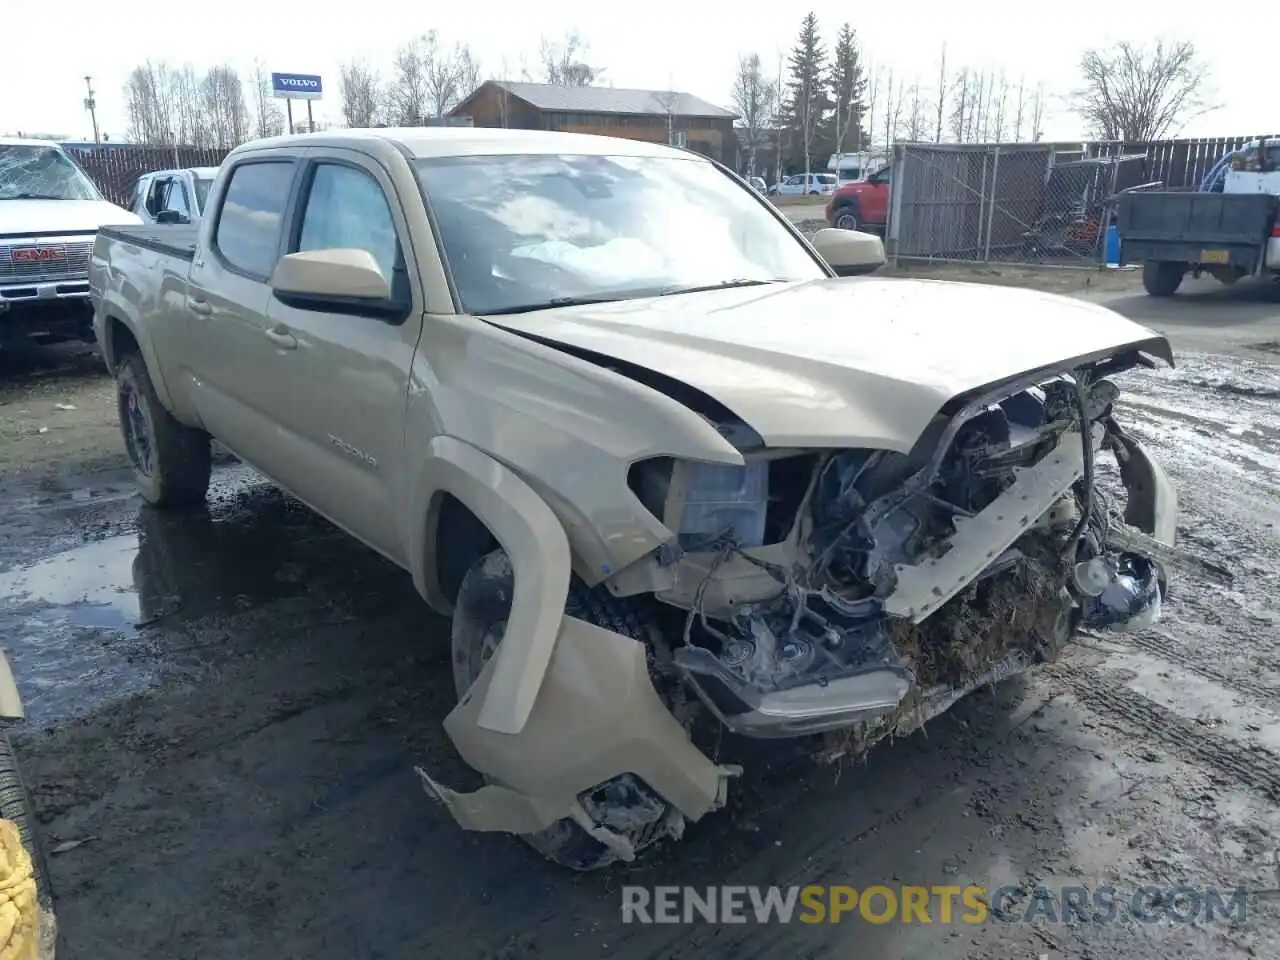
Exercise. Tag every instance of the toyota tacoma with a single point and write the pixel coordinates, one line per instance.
(661, 459)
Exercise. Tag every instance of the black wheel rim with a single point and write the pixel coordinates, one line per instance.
(137, 429)
(847, 221)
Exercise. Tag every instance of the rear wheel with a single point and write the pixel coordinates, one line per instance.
(171, 462)
(1161, 278)
(623, 805)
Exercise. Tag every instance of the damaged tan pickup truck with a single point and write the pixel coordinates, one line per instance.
(663, 463)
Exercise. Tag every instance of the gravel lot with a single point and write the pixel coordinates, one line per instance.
(226, 709)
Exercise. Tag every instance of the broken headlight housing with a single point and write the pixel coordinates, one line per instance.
(706, 504)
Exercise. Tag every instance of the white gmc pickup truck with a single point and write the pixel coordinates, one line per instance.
(50, 212)
(669, 473)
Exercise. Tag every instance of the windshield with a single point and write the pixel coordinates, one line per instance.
(202, 192)
(38, 172)
(826, 178)
(523, 232)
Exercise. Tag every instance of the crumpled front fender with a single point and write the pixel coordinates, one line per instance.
(596, 717)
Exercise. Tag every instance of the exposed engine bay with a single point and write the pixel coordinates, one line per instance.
(857, 592)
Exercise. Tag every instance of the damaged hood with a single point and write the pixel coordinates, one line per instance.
(862, 362)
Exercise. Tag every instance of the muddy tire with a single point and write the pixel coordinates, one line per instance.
(171, 462)
(1162, 278)
(16, 806)
(480, 614)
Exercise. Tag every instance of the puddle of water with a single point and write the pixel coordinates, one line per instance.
(91, 585)
(108, 618)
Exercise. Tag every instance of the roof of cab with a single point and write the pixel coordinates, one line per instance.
(424, 142)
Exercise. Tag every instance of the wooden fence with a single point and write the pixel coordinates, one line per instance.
(1176, 163)
(115, 168)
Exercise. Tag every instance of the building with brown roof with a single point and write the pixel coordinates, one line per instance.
(656, 116)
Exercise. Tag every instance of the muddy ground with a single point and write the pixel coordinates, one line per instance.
(225, 709)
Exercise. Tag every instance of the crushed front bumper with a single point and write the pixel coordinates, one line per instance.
(597, 715)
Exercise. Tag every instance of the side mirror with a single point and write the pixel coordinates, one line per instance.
(170, 216)
(331, 280)
(850, 253)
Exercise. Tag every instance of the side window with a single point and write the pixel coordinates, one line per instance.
(346, 208)
(248, 231)
(176, 198)
(155, 194)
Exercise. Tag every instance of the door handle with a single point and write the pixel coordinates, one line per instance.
(282, 338)
(202, 307)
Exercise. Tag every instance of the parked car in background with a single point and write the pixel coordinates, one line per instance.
(863, 205)
(758, 184)
(173, 196)
(50, 211)
(802, 184)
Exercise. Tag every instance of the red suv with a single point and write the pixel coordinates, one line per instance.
(863, 205)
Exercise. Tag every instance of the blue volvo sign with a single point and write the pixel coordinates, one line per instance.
(296, 86)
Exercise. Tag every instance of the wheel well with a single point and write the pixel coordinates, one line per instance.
(461, 540)
(121, 342)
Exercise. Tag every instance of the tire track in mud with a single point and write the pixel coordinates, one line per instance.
(1167, 648)
(1248, 764)
(825, 854)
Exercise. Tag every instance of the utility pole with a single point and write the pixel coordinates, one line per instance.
(91, 105)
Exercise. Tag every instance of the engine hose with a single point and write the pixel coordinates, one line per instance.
(1086, 443)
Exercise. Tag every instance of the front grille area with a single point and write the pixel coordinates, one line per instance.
(54, 260)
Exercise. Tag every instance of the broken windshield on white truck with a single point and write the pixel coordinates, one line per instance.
(525, 232)
(42, 172)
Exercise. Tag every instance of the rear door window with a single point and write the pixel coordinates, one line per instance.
(247, 235)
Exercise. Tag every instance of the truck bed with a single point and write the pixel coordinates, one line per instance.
(173, 239)
(1196, 228)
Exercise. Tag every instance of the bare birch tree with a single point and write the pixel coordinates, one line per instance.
(149, 105)
(358, 89)
(1037, 113)
(1020, 109)
(755, 98)
(268, 118)
(960, 106)
(407, 96)
(999, 108)
(917, 119)
(565, 62)
(225, 112)
(1141, 93)
(943, 90)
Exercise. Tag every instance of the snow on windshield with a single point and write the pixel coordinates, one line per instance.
(39, 172)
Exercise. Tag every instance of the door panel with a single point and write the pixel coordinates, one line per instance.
(227, 298)
(346, 376)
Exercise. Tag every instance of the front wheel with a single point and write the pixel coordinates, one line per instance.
(1161, 278)
(624, 804)
(171, 461)
(846, 219)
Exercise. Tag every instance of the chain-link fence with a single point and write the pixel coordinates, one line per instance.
(115, 168)
(1010, 203)
(1038, 203)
